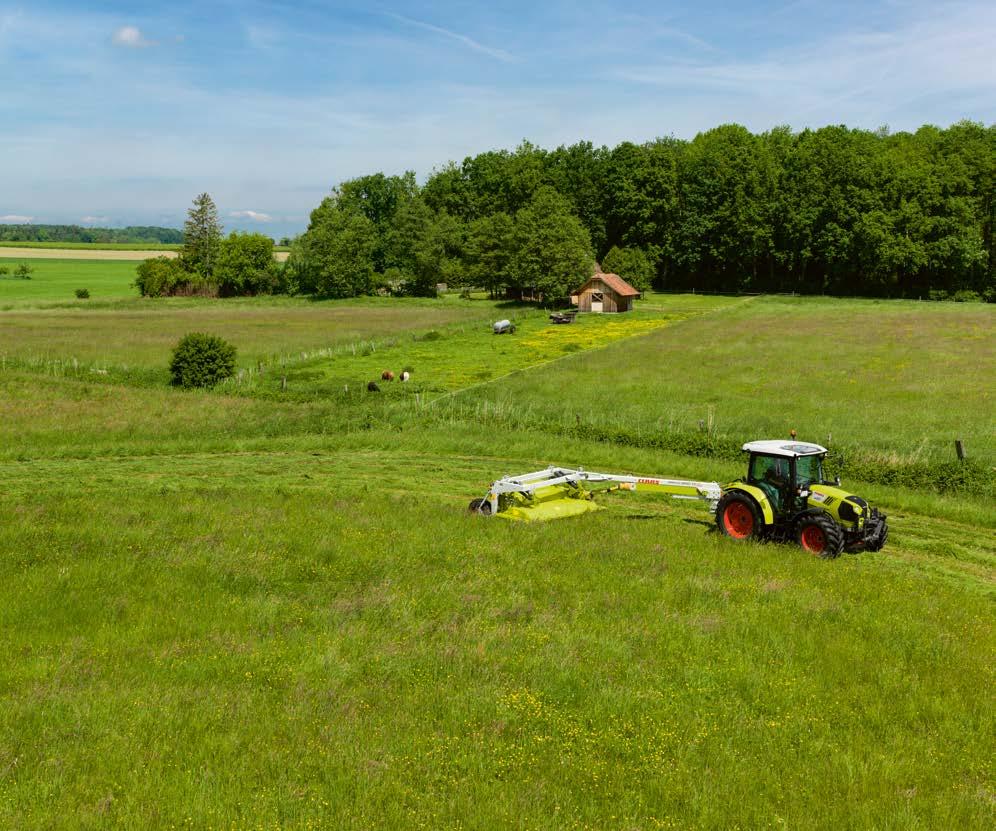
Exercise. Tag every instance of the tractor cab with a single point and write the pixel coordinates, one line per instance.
(784, 471)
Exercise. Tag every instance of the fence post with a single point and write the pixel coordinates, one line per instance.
(960, 450)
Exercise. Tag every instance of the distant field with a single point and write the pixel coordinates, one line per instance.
(907, 378)
(93, 246)
(57, 279)
(141, 332)
(103, 252)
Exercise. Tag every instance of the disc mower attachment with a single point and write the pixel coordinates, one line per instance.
(559, 492)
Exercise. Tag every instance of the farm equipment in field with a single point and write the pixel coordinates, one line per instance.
(783, 497)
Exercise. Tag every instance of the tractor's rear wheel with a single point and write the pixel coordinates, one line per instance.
(737, 517)
(818, 534)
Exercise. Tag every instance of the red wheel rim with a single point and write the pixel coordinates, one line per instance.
(813, 539)
(738, 520)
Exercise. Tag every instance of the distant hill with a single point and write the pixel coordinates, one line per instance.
(77, 233)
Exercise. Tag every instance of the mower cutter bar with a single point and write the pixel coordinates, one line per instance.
(559, 491)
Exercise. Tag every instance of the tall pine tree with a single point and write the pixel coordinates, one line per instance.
(201, 236)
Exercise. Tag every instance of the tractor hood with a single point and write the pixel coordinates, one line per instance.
(843, 505)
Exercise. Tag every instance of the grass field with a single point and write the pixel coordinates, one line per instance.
(140, 333)
(57, 280)
(266, 608)
(103, 246)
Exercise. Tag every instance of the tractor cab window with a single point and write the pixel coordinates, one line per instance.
(773, 470)
(808, 471)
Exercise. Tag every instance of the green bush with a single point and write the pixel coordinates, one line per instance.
(966, 296)
(83, 294)
(165, 277)
(158, 276)
(201, 360)
(23, 271)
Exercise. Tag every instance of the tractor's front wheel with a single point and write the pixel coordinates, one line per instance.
(737, 516)
(818, 534)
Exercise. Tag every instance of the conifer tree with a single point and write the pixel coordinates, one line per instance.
(201, 236)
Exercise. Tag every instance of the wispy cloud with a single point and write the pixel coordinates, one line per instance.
(16, 219)
(94, 220)
(131, 37)
(469, 42)
(254, 216)
(878, 71)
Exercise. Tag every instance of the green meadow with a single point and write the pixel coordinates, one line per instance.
(57, 280)
(265, 606)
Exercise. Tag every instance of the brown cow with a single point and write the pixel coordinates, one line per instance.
(387, 375)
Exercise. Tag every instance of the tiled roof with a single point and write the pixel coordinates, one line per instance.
(614, 282)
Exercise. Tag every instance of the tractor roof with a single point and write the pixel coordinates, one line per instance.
(780, 447)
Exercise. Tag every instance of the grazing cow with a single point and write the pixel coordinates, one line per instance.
(387, 375)
(372, 387)
(405, 375)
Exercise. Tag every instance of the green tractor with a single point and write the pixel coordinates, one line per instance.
(784, 497)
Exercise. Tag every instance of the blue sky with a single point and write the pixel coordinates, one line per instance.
(118, 113)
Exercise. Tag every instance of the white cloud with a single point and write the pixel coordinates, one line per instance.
(131, 37)
(255, 216)
(16, 219)
(94, 220)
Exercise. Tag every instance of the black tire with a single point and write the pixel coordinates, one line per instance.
(819, 534)
(480, 506)
(738, 517)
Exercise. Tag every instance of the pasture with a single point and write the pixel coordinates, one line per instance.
(267, 608)
(56, 280)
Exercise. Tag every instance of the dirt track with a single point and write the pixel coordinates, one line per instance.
(94, 254)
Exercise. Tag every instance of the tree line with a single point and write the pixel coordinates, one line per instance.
(77, 233)
(834, 210)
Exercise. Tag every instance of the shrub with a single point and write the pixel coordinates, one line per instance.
(201, 360)
(83, 294)
(23, 271)
(160, 277)
(966, 296)
(4, 271)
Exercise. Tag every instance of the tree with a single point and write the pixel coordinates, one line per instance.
(201, 236)
(245, 265)
(553, 251)
(632, 264)
(334, 257)
(490, 251)
(426, 248)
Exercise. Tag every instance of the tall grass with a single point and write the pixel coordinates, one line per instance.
(271, 609)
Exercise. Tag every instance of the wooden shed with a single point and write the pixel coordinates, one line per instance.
(605, 293)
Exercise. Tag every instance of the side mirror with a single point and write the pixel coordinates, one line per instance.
(836, 481)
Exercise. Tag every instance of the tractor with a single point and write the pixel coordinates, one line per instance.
(784, 497)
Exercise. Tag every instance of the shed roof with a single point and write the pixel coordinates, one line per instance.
(614, 282)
